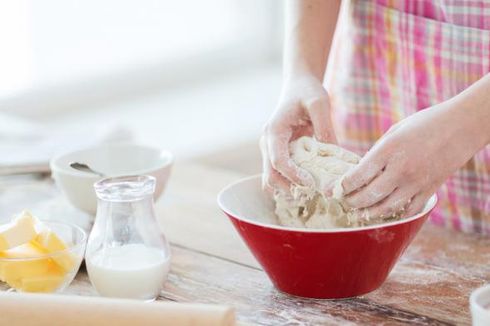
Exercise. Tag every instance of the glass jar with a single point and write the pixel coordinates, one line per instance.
(127, 255)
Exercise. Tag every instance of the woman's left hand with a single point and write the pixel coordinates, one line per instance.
(412, 160)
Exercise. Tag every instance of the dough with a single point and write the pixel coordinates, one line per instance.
(306, 207)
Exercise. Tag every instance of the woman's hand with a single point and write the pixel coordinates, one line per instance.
(304, 107)
(303, 110)
(412, 160)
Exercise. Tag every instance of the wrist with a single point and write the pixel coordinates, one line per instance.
(300, 66)
(301, 77)
(301, 74)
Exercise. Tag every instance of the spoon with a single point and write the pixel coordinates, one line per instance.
(85, 168)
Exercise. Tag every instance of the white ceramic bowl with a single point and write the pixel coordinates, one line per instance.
(112, 160)
(480, 306)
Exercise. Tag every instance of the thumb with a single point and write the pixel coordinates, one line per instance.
(319, 111)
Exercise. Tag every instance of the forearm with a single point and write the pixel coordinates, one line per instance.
(310, 26)
(472, 110)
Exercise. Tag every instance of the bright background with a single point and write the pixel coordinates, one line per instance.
(191, 76)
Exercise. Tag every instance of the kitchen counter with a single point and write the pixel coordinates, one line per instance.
(430, 285)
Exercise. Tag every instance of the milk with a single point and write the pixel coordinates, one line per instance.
(129, 271)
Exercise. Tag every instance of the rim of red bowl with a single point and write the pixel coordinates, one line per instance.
(429, 205)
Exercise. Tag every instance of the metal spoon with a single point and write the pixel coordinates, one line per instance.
(85, 168)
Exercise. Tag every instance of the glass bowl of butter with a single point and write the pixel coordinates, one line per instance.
(39, 256)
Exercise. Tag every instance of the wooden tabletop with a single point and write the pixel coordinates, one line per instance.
(430, 285)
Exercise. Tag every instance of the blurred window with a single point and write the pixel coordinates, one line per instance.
(50, 42)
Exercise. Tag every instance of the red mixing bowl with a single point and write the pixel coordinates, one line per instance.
(327, 264)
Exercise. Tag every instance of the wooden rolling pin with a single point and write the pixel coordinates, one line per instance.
(56, 309)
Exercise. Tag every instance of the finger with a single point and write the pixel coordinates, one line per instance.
(271, 179)
(377, 190)
(274, 182)
(397, 202)
(319, 112)
(278, 152)
(266, 171)
(416, 205)
(363, 173)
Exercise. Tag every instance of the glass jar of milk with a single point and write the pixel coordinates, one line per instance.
(127, 255)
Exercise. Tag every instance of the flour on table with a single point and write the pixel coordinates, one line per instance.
(306, 207)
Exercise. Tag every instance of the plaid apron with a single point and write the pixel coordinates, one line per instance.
(391, 58)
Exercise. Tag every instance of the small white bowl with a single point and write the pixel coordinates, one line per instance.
(480, 306)
(112, 160)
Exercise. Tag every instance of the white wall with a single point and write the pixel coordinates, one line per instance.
(69, 54)
(192, 76)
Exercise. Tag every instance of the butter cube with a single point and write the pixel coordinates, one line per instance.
(50, 242)
(17, 232)
(30, 275)
(20, 268)
(26, 250)
(47, 283)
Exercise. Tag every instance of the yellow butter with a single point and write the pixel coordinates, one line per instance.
(22, 264)
(23, 240)
(27, 250)
(46, 283)
(17, 232)
(51, 243)
(30, 274)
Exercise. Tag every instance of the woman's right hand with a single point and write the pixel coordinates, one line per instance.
(303, 110)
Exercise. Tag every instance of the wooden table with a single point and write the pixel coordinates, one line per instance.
(430, 285)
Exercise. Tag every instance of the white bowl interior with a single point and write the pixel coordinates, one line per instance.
(115, 159)
(246, 200)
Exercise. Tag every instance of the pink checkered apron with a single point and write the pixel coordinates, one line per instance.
(392, 58)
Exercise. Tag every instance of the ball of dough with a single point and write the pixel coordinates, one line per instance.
(308, 207)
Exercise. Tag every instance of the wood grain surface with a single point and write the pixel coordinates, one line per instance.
(430, 285)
